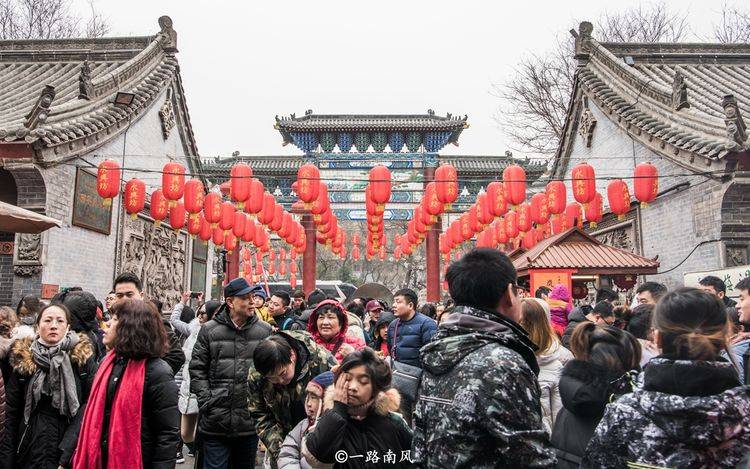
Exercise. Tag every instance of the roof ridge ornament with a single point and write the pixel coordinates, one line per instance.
(582, 37)
(736, 128)
(85, 85)
(40, 111)
(165, 23)
(679, 92)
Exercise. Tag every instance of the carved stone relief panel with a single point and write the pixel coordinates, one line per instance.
(737, 255)
(620, 236)
(27, 258)
(166, 114)
(158, 256)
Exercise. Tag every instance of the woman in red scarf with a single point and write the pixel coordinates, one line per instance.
(131, 418)
(328, 325)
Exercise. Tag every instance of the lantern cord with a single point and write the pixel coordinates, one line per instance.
(708, 241)
(720, 172)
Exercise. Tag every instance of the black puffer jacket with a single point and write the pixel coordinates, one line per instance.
(576, 317)
(685, 414)
(218, 373)
(49, 439)
(585, 390)
(160, 418)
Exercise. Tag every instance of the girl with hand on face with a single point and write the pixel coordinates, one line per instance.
(360, 418)
(49, 385)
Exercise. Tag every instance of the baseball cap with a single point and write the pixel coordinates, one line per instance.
(237, 287)
(372, 305)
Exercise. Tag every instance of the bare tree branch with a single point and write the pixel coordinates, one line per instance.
(734, 25)
(47, 19)
(533, 103)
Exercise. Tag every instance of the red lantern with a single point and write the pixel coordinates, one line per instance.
(293, 280)
(584, 183)
(218, 236)
(212, 208)
(322, 203)
(619, 198)
(269, 208)
(431, 202)
(206, 230)
(559, 224)
(173, 182)
(539, 209)
(524, 218)
(446, 179)
(511, 224)
(466, 232)
(529, 241)
(227, 216)
(135, 197)
(646, 183)
(573, 216)
(380, 181)
(594, 210)
(500, 235)
(556, 197)
(230, 242)
(239, 183)
(308, 183)
(248, 234)
(194, 197)
(238, 225)
(225, 188)
(278, 218)
(381, 253)
(455, 234)
(194, 226)
(484, 213)
(158, 206)
(474, 223)
(177, 216)
(254, 203)
(108, 181)
(496, 198)
(514, 180)
(293, 264)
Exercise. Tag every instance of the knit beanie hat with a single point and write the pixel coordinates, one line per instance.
(323, 380)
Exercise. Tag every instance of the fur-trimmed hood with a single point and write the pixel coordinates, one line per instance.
(19, 332)
(23, 363)
(387, 401)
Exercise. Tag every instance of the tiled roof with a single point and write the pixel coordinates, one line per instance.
(281, 164)
(470, 163)
(574, 249)
(368, 122)
(56, 92)
(677, 98)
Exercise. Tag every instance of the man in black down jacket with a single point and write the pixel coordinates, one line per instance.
(219, 368)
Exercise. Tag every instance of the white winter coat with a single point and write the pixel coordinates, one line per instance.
(551, 363)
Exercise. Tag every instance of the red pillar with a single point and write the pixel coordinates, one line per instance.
(309, 259)
(432, 248)
(233, 265)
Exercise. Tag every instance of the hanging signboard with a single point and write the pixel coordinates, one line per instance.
(88, 210)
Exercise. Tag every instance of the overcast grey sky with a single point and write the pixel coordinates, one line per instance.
(242, 63)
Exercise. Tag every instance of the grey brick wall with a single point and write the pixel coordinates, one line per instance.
(80, 257)
(673, 224)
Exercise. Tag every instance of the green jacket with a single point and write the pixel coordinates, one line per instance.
(270, 405)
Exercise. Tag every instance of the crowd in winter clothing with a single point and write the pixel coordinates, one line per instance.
(490, 378)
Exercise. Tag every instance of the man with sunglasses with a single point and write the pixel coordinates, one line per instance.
(222, 357)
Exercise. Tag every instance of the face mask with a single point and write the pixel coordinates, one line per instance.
(28, 320)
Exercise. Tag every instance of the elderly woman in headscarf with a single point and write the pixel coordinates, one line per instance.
(46, 394)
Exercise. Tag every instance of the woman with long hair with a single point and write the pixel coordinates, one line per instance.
(550, 355)
(131, 418)
(691, 410)
(606, 359)
(46, 393)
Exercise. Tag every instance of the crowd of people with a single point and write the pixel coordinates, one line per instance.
(495, 376)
